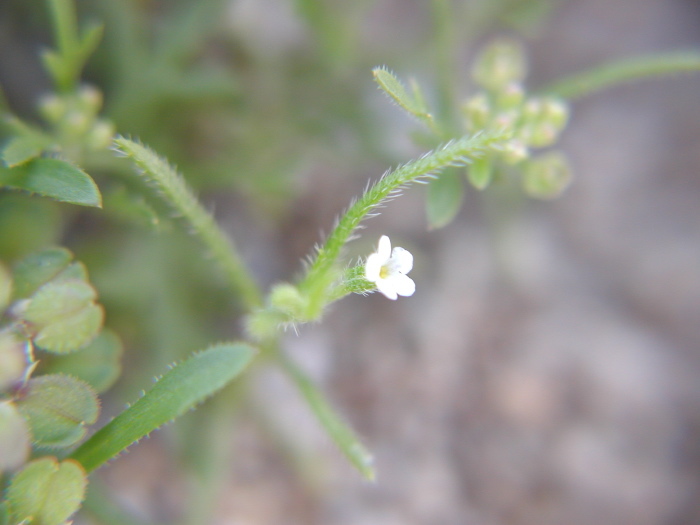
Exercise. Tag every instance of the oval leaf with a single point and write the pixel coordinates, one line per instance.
(98, 364)
(5, 288)
(12, 360)
(23, 148)
(58, 407)
(46, 492)
(444, 198)
(54, 178)
(73, 332)
(39, 268)
(182, 388)
(14, 437)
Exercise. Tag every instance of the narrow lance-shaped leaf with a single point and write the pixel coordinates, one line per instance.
(412, 103)
(180, 389)
(157, 172)
(341, 434)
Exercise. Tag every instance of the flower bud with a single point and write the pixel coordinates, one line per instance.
(100, 136)
(53, 107)
(499, 64)
(542, 121)
(514, 151)
(90, 99)
(477, 112)
(286, 298)
(511, 96)
(548, 176)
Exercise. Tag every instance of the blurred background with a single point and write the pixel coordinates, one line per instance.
(547, 369)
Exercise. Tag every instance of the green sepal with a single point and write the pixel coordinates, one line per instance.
(46, 492)
(58, 408)
(444, 198)
(54, 178)
(98, 364)
(180, 389)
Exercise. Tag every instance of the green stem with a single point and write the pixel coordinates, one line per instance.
(453, 153)
(65, 24)
(176, 192)
(609, 75)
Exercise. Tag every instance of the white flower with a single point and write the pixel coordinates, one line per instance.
(387, 269)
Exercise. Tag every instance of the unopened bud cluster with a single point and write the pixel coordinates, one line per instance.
(75, 118)
(532, 121)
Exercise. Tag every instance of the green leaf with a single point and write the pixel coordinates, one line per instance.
(98, 364)
(158, 173)
(14, 437)
(341, 434)
(12, 360)
(72, 332)
(55, 300)
(5, 287)
(183, 387)
(21, 149)
(480, 172)
(609, 75)
(54, 178)
(46, 492)
(64, 315)
(58, 408)
(27, 224)
(413, 104)
(39, 268)
(444, 198)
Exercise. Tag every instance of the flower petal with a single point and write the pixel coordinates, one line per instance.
(403, 285)
(373, 266)
(402, 260)
(386, 286)
(384, 248)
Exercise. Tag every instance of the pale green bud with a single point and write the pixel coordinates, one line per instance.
(542, 121)
(514, 151)
(547, 176)
(477, 112)
(100, 136)
(288, 299)
(53, 107)
(90, 99)
(499, 64)
(511, 97)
